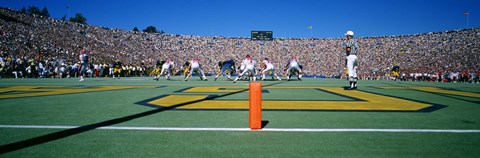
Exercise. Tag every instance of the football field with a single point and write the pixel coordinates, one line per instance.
(140, 117)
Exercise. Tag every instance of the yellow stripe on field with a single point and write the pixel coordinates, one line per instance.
(177, 99)
(372, 102)
(439, 90)
(216, 89)
(33, 91)
(445, 91)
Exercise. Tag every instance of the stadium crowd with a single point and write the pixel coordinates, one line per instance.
(35, 46)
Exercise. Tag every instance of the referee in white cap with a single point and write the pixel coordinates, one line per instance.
(351, 48)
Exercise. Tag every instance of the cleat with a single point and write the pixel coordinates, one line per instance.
(215, 79)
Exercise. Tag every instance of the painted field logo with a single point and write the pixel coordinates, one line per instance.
(36, 91)
(286, 98)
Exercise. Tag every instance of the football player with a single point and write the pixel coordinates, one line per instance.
(395, 72)
(226, 67)
(195, 67)
(158, 69)
(84, 64)
(293, 67)
(117, 68)
(268, 68)
(166, 69)
(249, 69)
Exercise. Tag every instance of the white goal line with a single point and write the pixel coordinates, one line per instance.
(248, 129)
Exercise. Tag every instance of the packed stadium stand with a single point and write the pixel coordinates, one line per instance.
(55, 44)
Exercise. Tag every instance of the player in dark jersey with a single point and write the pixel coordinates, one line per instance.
(117, 68)
(226, 67)
(186, 69)
(395, 72)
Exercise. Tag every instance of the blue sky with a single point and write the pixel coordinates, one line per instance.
(286, 18)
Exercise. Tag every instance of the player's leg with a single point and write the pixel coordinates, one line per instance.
(185, 72)
(253, 74)
(199, 74)
(112, 73)
(275, 74)
(240, 75)
(289, 73)
(229, 72)
(350, 67)
(155, 74)
(299, 73)
(263, 74)
(192, 70)
(119, 71)
(219, 72)
(189, 74)
(355, 77)
(169, 72)
(162, 72)
(202, 73)
(83, 71)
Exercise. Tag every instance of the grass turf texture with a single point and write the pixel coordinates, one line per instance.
(89, 108)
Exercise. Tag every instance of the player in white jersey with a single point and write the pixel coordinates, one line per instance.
(166, 67)
(269, 68)
(84, 64)
(293, 66)
(243, 64)
(249, 69)
(195, 66)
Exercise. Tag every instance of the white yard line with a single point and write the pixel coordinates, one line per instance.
(248, 129)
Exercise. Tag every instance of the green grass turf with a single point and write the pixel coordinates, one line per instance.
(459, 112)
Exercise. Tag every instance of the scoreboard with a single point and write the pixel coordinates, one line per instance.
(262, 36)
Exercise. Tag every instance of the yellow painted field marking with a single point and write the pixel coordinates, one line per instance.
(371, 101)
(216, 89)
(230, 89)
(177, 99)
(33, 91)
(439, 90)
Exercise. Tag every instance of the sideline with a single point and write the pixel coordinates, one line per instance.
(248, 129)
